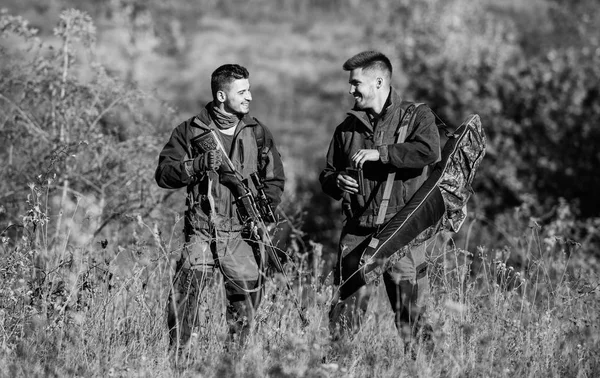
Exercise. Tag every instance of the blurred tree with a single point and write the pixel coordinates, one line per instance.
(539, 112)
(78, 130)
(530, 69)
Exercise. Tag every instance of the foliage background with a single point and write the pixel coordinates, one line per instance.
(530, 71)
(88, 98)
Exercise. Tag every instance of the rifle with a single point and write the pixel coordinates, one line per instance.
(262, 201)
(253, 212)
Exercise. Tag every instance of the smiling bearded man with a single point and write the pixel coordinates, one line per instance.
(216, 239)
(365, 144)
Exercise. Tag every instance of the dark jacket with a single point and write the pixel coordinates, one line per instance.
(176, 170)
(409, 159)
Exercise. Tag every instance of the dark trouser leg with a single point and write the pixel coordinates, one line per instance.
(241, 308)
(185, 309)
(408, 316)
(407, 287)
(187, 300)
(243, 288)
(345, 317)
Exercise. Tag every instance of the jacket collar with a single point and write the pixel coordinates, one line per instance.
(392, 104)
(207, 122)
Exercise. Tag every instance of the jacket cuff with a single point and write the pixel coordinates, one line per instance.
(196, 165)
(383, 154)
(189, 167)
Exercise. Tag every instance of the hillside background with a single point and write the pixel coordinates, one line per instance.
(530, 70)
(89, 94)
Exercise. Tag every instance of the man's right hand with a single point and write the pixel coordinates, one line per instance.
(208, 161)
(346, 183)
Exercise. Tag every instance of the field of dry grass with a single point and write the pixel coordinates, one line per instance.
(85, 273)
(98, 310)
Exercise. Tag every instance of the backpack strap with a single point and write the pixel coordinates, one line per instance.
(259, 135)
(407, 119)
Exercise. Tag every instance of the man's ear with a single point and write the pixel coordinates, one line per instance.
(379, 82)
(221, 97)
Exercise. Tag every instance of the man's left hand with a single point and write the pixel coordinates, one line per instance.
(360, 157)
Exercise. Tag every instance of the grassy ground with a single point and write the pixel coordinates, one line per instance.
(95, 311)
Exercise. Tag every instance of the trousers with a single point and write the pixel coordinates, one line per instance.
(234, 256)
(407, 288)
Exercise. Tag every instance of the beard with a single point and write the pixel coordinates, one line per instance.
(243, 110)
(363, 101)
(239, 109)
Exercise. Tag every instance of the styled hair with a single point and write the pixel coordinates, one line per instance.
(225, 75)
(369, 60)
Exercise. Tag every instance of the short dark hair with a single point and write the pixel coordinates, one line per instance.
(225, 75)
(369, 60)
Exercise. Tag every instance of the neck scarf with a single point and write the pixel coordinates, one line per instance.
(223, 120)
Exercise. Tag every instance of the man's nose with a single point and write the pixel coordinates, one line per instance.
(249, 96)
(352, 89)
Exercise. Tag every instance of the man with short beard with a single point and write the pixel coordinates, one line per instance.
(366, 140)
(215, 238)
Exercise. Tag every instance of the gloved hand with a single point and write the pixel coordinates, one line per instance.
(208, 161)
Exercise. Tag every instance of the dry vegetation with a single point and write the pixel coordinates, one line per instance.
(86, 311)
(89, 241)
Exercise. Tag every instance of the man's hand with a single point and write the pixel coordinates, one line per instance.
(346, 183)
(360, 157)
(208, 161)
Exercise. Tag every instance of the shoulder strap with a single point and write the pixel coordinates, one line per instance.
(259, 134)
(406, 121)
